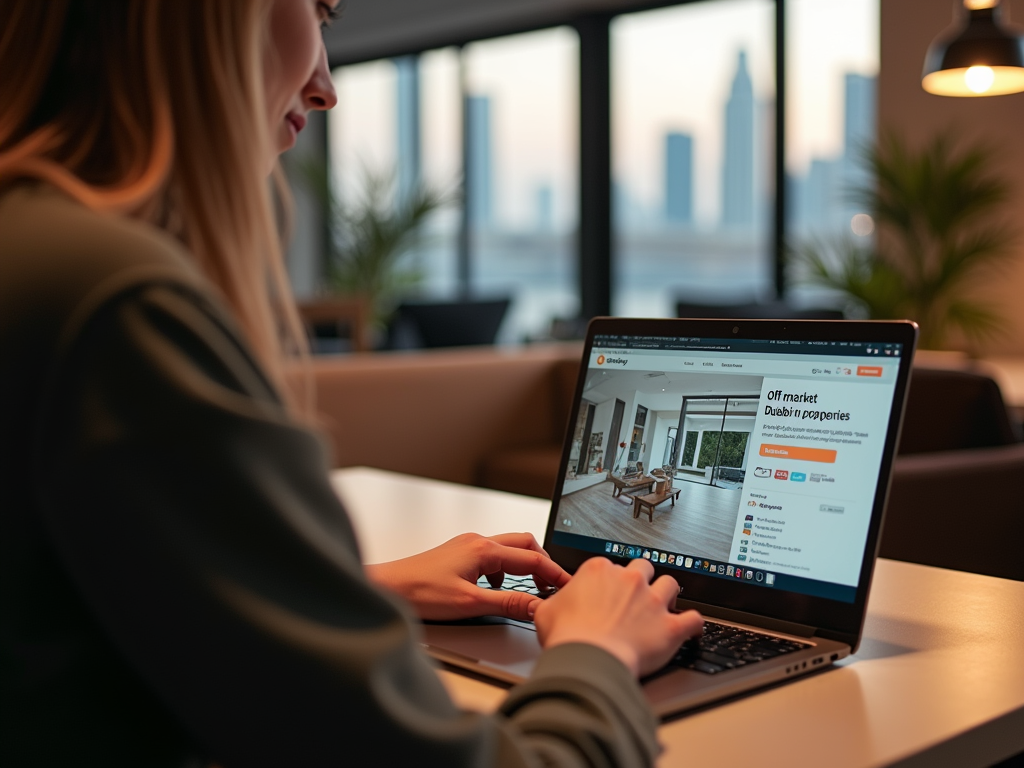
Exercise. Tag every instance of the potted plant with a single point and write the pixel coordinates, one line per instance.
(371, 235)
(933, 209)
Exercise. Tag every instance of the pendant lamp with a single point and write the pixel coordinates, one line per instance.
(978, 56)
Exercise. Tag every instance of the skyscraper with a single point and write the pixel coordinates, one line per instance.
(544, 201)
(679, 178)
(479, 179)
(408, 119)
(858, 133)
(738, 162)
(859, 115)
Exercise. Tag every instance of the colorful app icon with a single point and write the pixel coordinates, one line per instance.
(746, 531)
(671, 559)
(769, 579)
(615, 549)
(741, 557)
(647, 554)
(689, 562)
(749, 517)
(751, 503)
(743, 549)
(654, 556)
(730, 570)
(739, 573)
(608, 546)
(759, 576)
(782, 474)
(721, 569)
(663, 558)
(748, 575)
(706, 565)
(798, 477)
(744, 541)
(762, 472)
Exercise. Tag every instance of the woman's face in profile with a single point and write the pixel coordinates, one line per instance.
(296, 75)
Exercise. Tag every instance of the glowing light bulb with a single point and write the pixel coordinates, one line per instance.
(862, 225)
(979, 79)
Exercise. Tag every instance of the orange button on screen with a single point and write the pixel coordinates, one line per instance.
(823, 455)
(869, 370)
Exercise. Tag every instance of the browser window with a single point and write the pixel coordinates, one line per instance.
(751, 460)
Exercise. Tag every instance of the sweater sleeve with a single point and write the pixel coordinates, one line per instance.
(199, 525)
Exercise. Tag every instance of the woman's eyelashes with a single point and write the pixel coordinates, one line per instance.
(328, 14)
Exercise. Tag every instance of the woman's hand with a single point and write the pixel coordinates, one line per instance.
(618, 609)
(441, 582)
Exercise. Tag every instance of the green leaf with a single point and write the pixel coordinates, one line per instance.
(372, 235)
(933, 207)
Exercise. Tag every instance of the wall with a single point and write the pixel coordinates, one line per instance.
(656, 445)
(908, 26)
(602, 423)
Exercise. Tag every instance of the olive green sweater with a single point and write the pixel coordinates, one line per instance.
(178, 582)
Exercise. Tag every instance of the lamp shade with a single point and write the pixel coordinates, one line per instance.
(983, 57)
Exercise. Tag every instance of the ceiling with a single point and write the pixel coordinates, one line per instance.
(372, 29)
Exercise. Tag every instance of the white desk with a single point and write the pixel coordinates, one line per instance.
(939, 679)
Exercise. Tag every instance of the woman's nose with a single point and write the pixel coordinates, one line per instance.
(319, 91)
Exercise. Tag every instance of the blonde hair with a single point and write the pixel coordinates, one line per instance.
(176, 134)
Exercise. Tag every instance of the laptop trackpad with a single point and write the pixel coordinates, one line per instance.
(504, 649)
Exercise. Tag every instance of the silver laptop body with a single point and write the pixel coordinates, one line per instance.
(748, 459)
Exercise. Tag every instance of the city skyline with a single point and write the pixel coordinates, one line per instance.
(817, 199)
(671, 66)
(673, 74)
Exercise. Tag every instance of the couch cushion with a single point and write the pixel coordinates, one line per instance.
(949, 410)
(441, 414)
(958, 509)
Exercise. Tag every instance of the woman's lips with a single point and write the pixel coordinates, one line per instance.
(297, 122)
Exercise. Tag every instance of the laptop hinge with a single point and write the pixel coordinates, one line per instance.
(742, 617)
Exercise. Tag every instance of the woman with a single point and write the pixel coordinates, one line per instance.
(178, 583)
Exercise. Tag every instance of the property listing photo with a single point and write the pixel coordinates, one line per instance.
(659, 459)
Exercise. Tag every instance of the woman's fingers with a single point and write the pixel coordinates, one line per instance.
(499, 559)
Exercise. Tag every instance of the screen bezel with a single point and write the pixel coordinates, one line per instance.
(834, 619)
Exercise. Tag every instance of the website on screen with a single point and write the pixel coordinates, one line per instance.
(749, 460)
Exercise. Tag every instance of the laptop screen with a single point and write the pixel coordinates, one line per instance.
(733, 459)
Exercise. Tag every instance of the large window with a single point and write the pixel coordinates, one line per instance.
(401, 119)
(693, 151)
(405, 117)
(692, 105)
(716, 434)
(523, 142)
(832, 68)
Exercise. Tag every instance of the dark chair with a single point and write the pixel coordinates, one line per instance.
(768, 310)
(337, 324)
(950, 410)
(959, 510)
(420, 325)
(957, 494)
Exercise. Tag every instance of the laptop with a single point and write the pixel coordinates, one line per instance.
(749, 460)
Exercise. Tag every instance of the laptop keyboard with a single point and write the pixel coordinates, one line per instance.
(514, 584)
(721, 647)
(724, 647)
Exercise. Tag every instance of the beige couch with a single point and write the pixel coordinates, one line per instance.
(484, 416)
